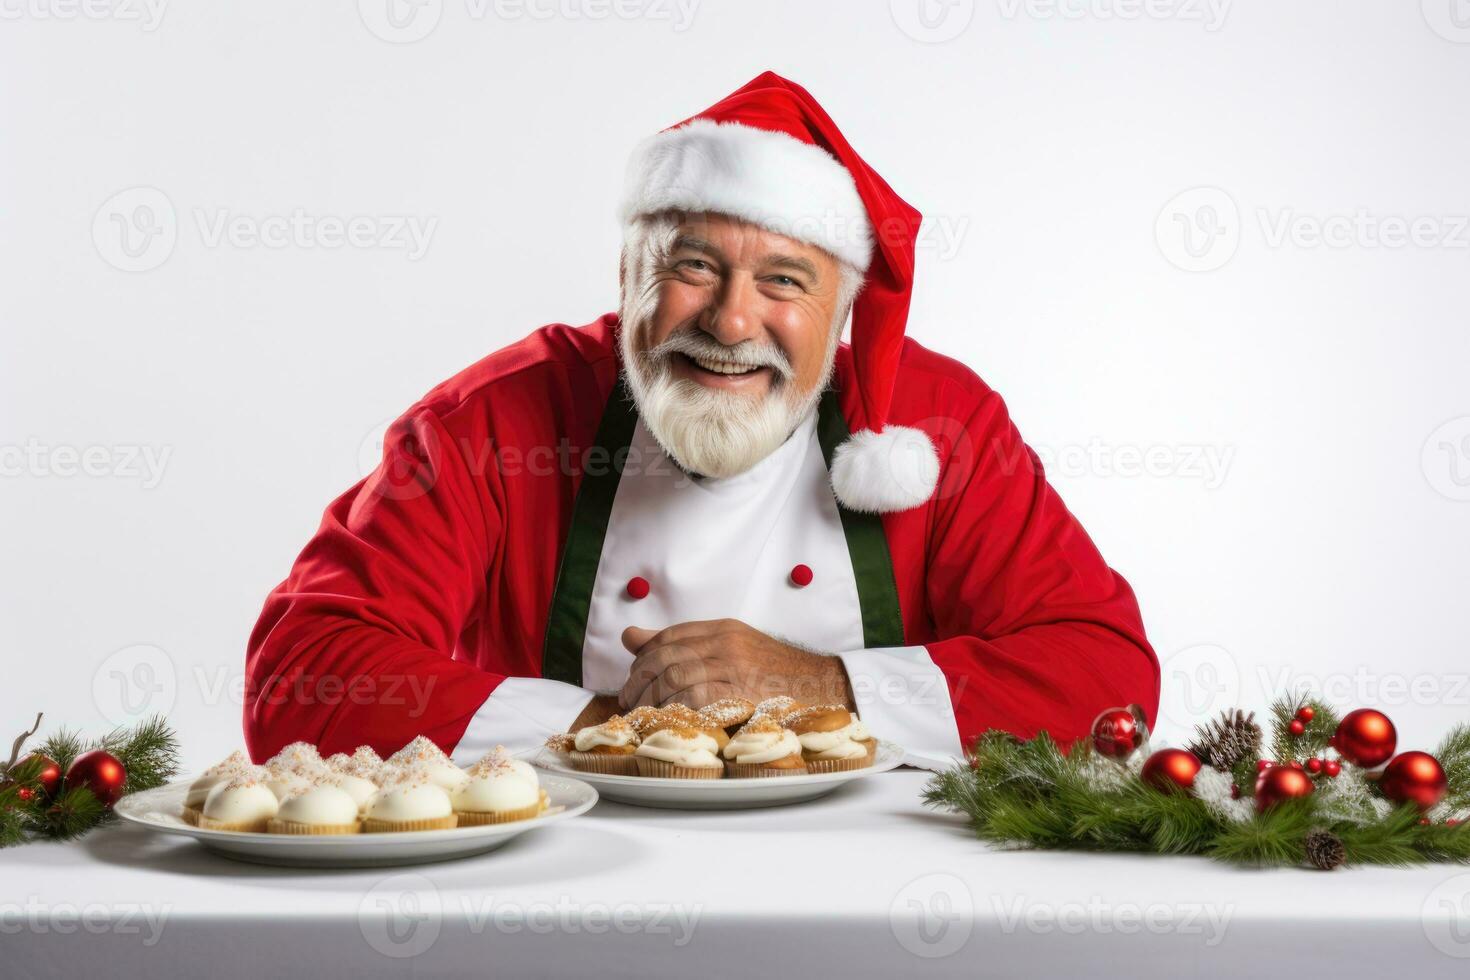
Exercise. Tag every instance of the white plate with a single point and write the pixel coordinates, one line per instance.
(158, 809)
(720, 794)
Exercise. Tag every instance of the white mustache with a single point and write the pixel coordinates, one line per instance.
(693, 342)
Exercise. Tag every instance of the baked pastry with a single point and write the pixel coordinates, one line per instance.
(240, 803)
(763, 748)
(497, 792)
(777, 707)
(561, 745)
(678, 715)
(285, 781)
(728, 713)
(234, 764)
(321, 809)
(606, 748)
(424, 756)
(359, 788)
(410, 804)
(831, 739)
(301, 756)
(679, 753)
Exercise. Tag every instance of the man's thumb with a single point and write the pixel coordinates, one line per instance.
(635, 636)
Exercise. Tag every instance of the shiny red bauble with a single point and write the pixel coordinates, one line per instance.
(1314, 766)
(100, 772)
(1171, 769)
(1118, 732)
(1297, 726)
(1414, 777)
(48, 779)
(1305, 712)
(1332, 767)
(1366, 738)
(1281, 783)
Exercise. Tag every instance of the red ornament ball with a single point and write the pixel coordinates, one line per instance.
(1295, 764)
(1171, 769)
(1332, 767)
(1366, 738)
(1118, 732)
(1414, 777)
(1262, 765)
(99, 771)
(1305, 712)
(1280, 783)
(1296, 727)
(49, 777)
(1314, 765)
(26, 794)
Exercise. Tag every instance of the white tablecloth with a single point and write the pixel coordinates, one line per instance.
(864, 883)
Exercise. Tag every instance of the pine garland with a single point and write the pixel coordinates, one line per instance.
(148, 753)
(1035, 794)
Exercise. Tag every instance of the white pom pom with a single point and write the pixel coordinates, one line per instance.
(882, 472)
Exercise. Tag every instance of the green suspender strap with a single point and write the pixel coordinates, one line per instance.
(867, 545)
(566, 627)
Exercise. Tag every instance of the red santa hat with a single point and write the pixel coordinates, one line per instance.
(768, 154)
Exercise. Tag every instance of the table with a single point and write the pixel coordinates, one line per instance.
(864, 883)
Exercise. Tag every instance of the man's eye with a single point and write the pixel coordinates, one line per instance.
(784, 281)
(698, 265)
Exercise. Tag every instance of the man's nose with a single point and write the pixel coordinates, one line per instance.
(735, 314)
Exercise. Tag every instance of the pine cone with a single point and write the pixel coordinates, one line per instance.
(1227, 740)
(1325, 850)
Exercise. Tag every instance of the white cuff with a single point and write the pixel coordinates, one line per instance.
(903, 696)
(520, 714)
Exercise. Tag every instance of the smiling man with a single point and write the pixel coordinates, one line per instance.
(705, 495)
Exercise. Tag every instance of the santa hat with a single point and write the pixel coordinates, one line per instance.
(768, 154)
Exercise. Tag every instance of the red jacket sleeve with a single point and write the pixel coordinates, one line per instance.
(356, 645)
(1037, 632)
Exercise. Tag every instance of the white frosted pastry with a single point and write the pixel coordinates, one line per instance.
(615, 731)
(361, 790)
(235, 764)
(682, 747)
(831, 745)
(286, 782)
(297, 755)
(756, 744)
(320, 806)
(498, 757)
(239, 803)
(496, 790)
(421, 749)
(338, 761)
(408, 802)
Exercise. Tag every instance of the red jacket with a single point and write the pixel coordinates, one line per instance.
(430, 581)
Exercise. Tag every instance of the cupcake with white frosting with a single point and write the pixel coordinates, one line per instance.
(497, 792)
(321, 809)
(241, 803)
(410, 804)
(360, 789)
(606, 748)
(500, 755)
(763, 747)
(424, 756)
(235, 764)
(679, 753)
(286, 781)
(301, 756)
(831, 739)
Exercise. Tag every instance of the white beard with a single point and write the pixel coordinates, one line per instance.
(711, 432)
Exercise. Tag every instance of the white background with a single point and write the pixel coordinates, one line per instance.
(1304, 407)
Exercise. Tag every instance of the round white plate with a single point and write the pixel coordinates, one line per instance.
(158, 809)
(719, 794)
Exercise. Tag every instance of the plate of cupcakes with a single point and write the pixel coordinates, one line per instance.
(732, 754)
(359, 810)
